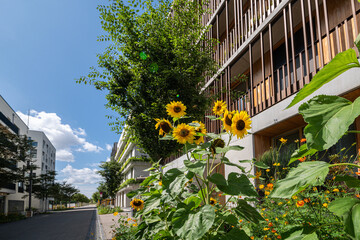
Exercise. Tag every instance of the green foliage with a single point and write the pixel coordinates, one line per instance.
(127, 183)
(133, 159)
(338, 65)
(153, 59)
(110, 171)
(78, 197)
(108, 210)
(11, 217)
(328, 118)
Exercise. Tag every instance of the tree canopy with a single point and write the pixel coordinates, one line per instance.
(112, 176)
(158, 53)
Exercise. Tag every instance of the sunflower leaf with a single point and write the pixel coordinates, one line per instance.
(197, 167)
(213, 117)
(247, 212)
(193, 225)
(350, 181)
(307, 173)
(167, 137)
(261, 165)
(328, 118)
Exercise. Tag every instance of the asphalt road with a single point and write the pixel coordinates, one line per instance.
(77, 224)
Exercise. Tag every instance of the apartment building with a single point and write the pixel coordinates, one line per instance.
(12, 195)
(44, 158)
(267, 51)
(134, 161)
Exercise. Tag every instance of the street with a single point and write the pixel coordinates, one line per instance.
(79, 223)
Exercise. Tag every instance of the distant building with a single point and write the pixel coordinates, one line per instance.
(12, 195)
(113, 150)
(134, 161)
(44, 156)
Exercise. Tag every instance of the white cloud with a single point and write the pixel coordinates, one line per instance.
(80, 176)
(65, 138)
(108, 159)
(108, 147)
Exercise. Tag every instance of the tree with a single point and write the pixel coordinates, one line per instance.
(153, 59)
(78, 197)
(43, 184)
(68, 191)
(14, 150)
(112, 176)
(96, 196)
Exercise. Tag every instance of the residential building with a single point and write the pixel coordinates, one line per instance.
(268, 50)
(134, 161)
(12, 195)
(44, 158)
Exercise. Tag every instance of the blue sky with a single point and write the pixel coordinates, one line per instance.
(44, 46)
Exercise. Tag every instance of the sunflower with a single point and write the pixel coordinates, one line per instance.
(283, 140)
(240, 124)
(212, 201)
(219, 108)
(217, 143)
(164, 125)
(199, 129)
(184, 133)
(227, 120)
(176, 109)
(137, 204)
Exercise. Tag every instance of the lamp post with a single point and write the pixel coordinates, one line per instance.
(30, 188)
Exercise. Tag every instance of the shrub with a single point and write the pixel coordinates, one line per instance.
(108, 210)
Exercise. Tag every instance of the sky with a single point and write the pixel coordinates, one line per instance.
(45, 45)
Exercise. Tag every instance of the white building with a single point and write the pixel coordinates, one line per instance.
(134, 162)
(12, 195)
(44, 159)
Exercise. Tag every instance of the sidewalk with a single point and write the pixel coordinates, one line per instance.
(109, 221)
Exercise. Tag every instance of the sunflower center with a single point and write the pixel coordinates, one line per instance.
(184, 132)
(240, 125)
(218, 108)
(228, 120)
(165, 127)
(212, 202)
(137, 203)
(177, 109)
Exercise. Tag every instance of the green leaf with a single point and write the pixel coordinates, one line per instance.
(328, 118)
(349, 210)
(193, 225)
(339, 64)
(213, 135)
(236, 233)
(237, 184)
(307, 173)
(194, 199)
(357, 40)
(213, 117)
(174, 180)
(228, 148)
(247, 212)
(152, 202)
(197, 167)
(167, 137)
(226, 161)
(300, 233)
(342, 206)
(355, 212)
(350, 181)
(303, 151)
(262, 165)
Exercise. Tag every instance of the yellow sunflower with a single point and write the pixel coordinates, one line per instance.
(227, 120)
(240, 124)
(200, 129)
(184, 133)
(137, 204)
(164, 125)
(176, 109)
(219, 108)
(212, 201)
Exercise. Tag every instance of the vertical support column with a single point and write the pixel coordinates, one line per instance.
(318, 26)
(272, 85)
(251, 17)
(218, 39)
(236, 21)
(287, 83)
(227, 55)
(312, 36)
(228, 86)
(262, 84)
(241, 23)
(327, 29)
(307, 78)
(251, 82)
(354, 19)
(294, 85)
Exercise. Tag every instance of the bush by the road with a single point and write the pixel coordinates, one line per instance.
(108, 210)
(11, 217)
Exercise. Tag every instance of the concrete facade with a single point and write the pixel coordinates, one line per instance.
(44, 157)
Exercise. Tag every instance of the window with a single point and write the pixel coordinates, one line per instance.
(35, 144)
